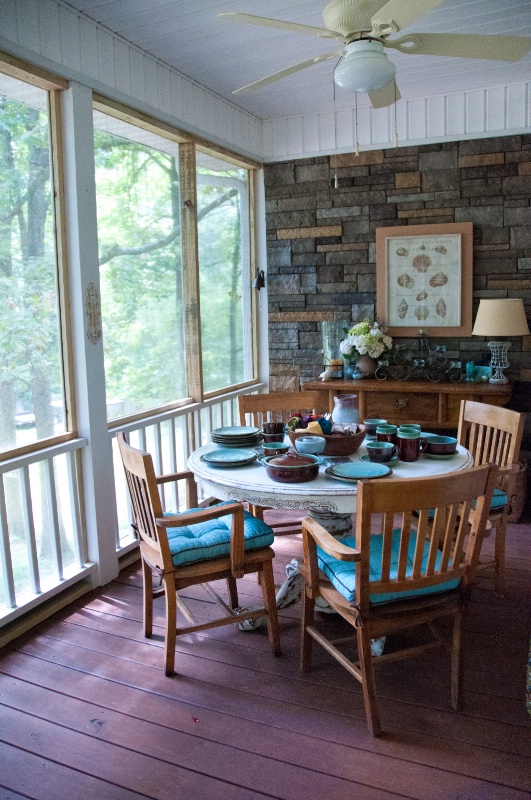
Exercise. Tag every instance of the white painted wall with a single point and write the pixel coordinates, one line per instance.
(58, 38)
(475, 114)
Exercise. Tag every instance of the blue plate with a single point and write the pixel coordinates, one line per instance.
(229, 457)
(236, 430)
(441, 456)
(393, 460)
(357, 471)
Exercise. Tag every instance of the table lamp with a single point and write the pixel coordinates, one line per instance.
(500, 318)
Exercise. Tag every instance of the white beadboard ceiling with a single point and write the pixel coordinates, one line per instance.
(221, 56)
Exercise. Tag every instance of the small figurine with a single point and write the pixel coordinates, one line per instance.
(470, 371)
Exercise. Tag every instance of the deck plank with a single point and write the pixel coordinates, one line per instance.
(84, 699)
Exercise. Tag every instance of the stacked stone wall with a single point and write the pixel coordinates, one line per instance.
(321, 239)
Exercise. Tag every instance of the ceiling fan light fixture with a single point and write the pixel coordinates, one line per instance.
(364, 67)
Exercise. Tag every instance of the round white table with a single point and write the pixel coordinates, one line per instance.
(331, 501)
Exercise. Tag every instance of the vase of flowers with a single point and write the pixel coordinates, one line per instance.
(364, 344)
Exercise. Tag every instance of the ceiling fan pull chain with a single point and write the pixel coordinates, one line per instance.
(356, 124)
(396, 128)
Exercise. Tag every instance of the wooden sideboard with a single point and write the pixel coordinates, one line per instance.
(430, 404)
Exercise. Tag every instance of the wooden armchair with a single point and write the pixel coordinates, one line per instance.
(255, 409)
(494, 434)
(277, 406)
(415, 572)
(195, 547)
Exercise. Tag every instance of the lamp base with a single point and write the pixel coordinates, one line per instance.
(498, 361)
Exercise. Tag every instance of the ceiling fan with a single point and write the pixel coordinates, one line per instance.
(364, 27)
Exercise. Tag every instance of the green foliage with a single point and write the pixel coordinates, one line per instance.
(29, 316)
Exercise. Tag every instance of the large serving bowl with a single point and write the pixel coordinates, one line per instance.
(291, 467)
(337, 444)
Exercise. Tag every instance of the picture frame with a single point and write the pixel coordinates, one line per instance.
(424, 279)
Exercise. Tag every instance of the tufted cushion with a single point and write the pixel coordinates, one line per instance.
(211, 539)
(342, 575)
(499, 500)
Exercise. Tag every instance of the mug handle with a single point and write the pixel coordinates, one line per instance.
(395, 450)
(423, 443)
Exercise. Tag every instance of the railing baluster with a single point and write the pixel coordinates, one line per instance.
(73, 492)
(173, 462)
(29, 529)
(142, 438)
(53, 518)
(5, 551)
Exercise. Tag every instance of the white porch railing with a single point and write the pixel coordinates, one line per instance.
(170, 437)
(43, 542)
(42, 538)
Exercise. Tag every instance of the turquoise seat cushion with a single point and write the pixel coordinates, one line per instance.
(211, 539)
(499, 500)
(342, 573)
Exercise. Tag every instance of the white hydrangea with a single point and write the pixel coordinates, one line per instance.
(366, 338)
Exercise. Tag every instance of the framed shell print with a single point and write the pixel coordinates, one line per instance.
(424, 279)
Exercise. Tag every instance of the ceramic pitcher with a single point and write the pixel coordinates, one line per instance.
(345, 408)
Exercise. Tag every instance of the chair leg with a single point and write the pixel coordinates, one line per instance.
(232, 589)
(147, 603)
(171, 625)
(267, 583)
(499, 550)
(368, 683)
(457, 660)
(307, 619)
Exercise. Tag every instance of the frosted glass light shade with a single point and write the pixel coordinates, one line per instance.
(501, 318)
(364, 67)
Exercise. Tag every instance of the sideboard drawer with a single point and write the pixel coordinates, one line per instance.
(401, 406)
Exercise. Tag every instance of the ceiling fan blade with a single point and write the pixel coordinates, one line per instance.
(463, 45)
(399, 14)
(250, 87)
(266, 22)
(385, 96)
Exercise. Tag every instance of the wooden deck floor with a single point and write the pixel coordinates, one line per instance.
(86, 711)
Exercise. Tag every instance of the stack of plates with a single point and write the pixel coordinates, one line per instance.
(229, 458)
(237, 436)
(355, 471)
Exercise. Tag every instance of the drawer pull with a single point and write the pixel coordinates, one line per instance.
(401, 402)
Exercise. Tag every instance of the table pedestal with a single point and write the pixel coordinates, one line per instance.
(339, 525)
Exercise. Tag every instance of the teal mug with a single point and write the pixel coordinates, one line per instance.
(381, 452)
(410, 445)
(386, 433)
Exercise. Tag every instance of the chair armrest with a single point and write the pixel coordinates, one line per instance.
(175, 476)
(506, 476)
(328, 543)
(191, 486)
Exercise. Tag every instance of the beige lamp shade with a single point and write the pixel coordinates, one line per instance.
(501, 318)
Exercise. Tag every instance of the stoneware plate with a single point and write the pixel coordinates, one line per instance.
(229, 458)
(393, 460)
(236, 430)
(440, 457)
(355, 472)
